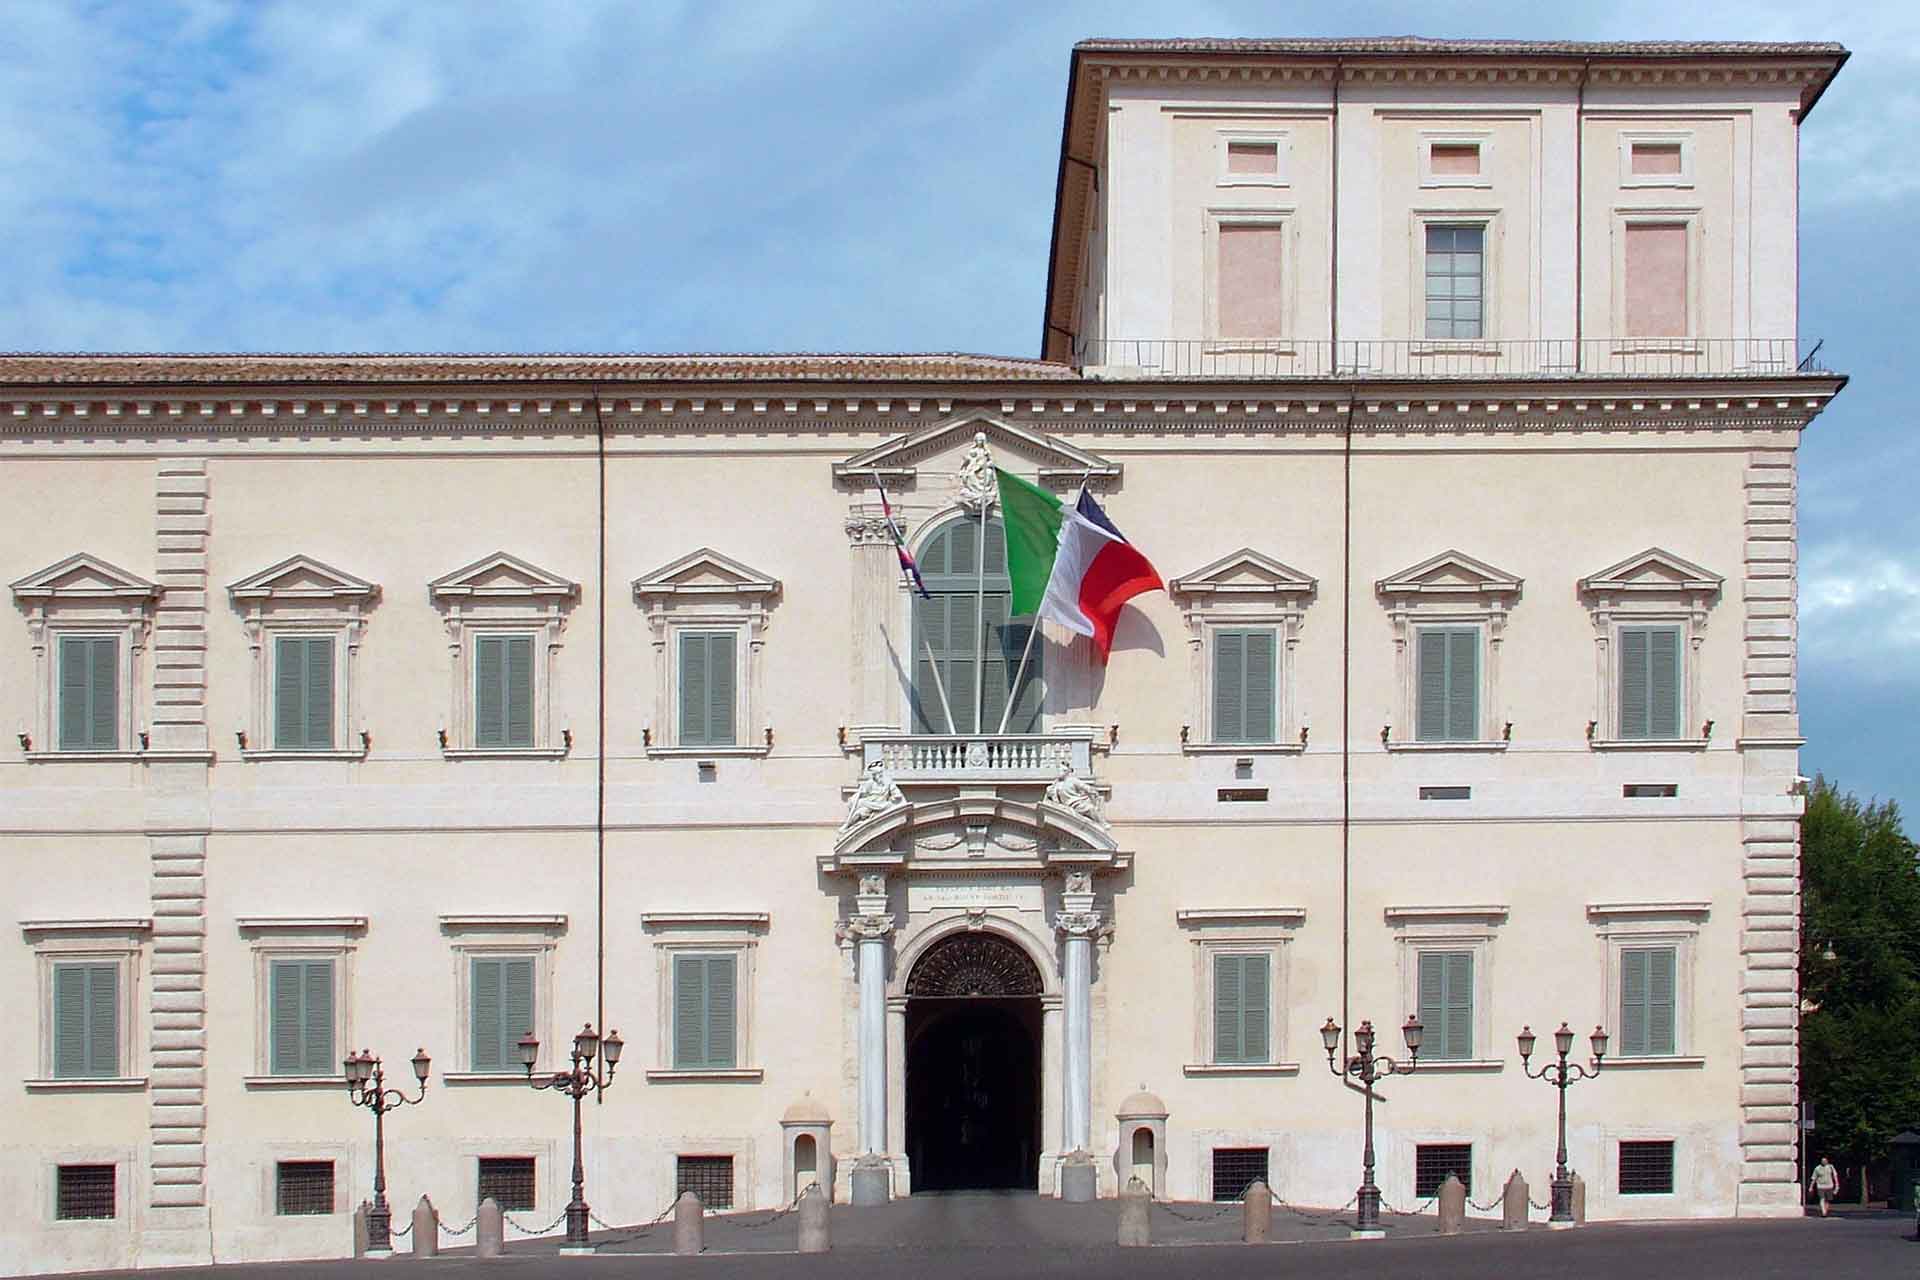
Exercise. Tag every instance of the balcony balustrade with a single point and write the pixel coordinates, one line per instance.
(1454, 358)
(981, 757)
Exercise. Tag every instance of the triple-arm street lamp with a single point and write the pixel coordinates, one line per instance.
(580, 1079)
(1560, 1075)
(1366, 1068)
(367, 1087)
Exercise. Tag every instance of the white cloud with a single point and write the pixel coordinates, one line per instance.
(1860, 607)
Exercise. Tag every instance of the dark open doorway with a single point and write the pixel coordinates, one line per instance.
(973, 1093)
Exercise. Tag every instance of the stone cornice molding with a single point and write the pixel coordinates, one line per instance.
(501, 577)
(82, 578)
(1057, 463)
(1448, 576)
(1653, 571)
(301, 579)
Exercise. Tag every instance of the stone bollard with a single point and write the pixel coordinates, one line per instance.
(426, 1230)
(689, 1224)
(360, 1229)
(816, 1232)
(489, 1230)
(1256, 1214)
(1579, 1200)
(1513, 1203)
(1079, 1180)
(1135, 1201)
(1453, 1206)
(871, 1181)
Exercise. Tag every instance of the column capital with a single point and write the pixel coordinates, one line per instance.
(1081, 924)
(870, 928)
(868, 528)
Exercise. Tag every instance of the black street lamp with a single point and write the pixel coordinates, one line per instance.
(1560, 1075)
(367, 1087)
(1366, 1068)
(580, 1079)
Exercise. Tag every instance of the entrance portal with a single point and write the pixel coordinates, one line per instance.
(973, 1066)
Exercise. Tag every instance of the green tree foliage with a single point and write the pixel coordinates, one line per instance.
(1860, 1032)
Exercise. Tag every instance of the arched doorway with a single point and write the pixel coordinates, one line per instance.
(973, 1066)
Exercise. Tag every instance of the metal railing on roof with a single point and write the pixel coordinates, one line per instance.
(1402, 358)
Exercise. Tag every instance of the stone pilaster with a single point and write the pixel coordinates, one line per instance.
(176, 1225)
(1770, 837)
(875, 571)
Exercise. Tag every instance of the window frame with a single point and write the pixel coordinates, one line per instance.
(1650, 588)
(1451, 589)
(1491, 320)
(500, 595)
(301, 596)
(1427, 297)
(85, 595)
(502, 937)
(1622, 927)
(1482, 139)
(1676, 627)
(1036, 674)
(706, 591)
(677, 708)
(1479, 727)
(1237, 931)
(1219, 218)
(1689, 216)
(1438, 953)
(120, 943)
(1245, 590)
(336, 641)
(1216, 636)
(1280, 139)
(734, 934)
(1472, 928)
(707, 957)
(299, 938)
(1626, 139)
(505, 636)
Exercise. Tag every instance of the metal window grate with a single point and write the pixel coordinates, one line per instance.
(303, 1187)
(1237, 1168)
(1650, 790)
(509, 1180)
(1646, 1168)
(1433, 1161)
(709, 1177)
(84, 1191)
(1446, 793)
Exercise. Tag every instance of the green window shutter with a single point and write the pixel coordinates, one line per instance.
(1663, 683)
(722, 674)
(1026, 707)
(1254, 998)
(300, 1018)
(960, 669)
(929, 622)
(519, 691)
(86, 1016)
(1634, 967)
(319, 693)
(290, 693)
(1226, 1009)
(1660, 1001)
(722, 1006)
(1446, 1003)
(489, 691)
(689, 1012)
(484, 997)
(1229, 686)
(1463, 685)
(317, 1017)
(1430, 717)
(1258, 726)
(693, 689)
(89, 691)
(516, 1008)
(1241, 996)
(1635, 686)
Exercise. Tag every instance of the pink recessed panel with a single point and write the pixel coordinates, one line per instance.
(1249, 284)
(1656, 292)
(1253, 158)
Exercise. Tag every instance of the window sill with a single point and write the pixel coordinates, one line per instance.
(141, 757)
(294, 1082)
(1250, 346)
(1657, 347)
(750, 1074)
(90, 1084)
(1647, 744)
(1461, 1064)
(278, 754)
(1243, 748)
(1250, 180)
(1683, 1060)
(1241, 1069)
(1432, 182)
(706, 753)
(494, 1077)
(504, 753)
(1496, 744)
(1454, 347)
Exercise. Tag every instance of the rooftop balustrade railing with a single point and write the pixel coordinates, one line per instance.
(1402, 358)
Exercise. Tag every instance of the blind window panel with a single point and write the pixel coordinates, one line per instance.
(89, 693)
(1655, 259)
(86, 1032)
(1242, 994)
(300, 1018)
(707, 689)
(1243, 686)
(1446, 1004)
(303, 693)
(1455, 262)
(501, 1000)
(1651, 682)
(503, 691)
(1448, 684)
(1647, 986)
(705, 1012)
(1248, 288)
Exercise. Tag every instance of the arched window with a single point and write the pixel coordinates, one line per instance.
(949, 625)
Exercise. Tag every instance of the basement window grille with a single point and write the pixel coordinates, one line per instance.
(509, 1180)
(1446, 793)
(1646, 1168)
(709, 1177)
(1237, 1168)
(1433, 1161)
(302, 1187)
(83, 1191)
(1242, 795)
(1650, 790)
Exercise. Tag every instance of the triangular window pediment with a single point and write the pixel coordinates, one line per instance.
(940, 446)
(84, 577)
(1653, 570)
(1451, 573)
(302, 578)
(705, 572)
(1244, 574)
(501, 577)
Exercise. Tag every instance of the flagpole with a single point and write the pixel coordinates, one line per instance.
(980, 620)
(1013, 690)
(939, 684)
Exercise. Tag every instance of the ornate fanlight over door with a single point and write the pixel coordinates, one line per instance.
(974, 964)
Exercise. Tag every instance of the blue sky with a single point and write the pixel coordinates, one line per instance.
(651, 175)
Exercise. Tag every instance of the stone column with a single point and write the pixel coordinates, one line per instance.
(872, 1172)
(1079, 923)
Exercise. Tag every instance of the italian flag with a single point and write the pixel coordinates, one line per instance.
(1069, 563)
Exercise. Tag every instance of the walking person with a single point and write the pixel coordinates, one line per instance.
(1826, 1181)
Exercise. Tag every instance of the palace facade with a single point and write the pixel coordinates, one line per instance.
(1453, 387)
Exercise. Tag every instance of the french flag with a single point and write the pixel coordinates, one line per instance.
(1095, 572)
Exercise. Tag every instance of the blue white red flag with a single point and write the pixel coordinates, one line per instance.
(907, 566)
